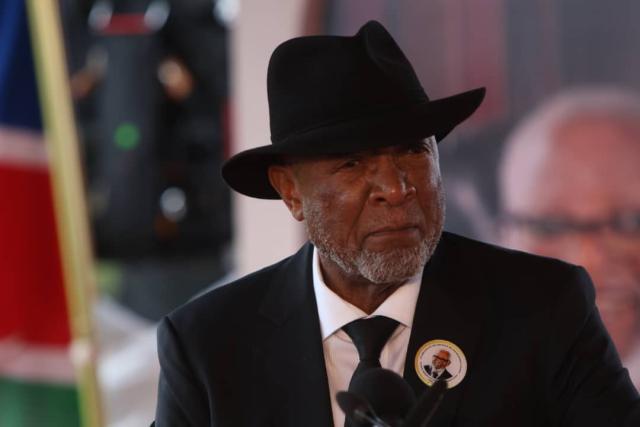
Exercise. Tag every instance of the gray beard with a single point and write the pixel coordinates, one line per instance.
(396, 265)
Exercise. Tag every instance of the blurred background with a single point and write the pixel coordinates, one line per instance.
(165, 90)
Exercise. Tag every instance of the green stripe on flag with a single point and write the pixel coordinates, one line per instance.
(28, 404)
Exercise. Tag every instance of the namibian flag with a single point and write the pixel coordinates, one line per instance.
(38, 383)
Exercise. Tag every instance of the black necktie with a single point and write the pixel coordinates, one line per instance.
(369, 336)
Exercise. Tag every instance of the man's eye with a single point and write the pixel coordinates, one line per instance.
(350, 163)
(417, 148)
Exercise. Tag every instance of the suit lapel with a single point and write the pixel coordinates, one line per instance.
(451, 306)
(288, 349)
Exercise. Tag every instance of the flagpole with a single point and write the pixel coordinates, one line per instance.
(68, 198)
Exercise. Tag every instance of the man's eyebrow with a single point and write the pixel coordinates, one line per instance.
(292, 158)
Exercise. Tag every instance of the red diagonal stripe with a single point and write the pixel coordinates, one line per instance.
(32, 303)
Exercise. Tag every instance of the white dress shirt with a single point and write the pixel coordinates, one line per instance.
(340, 354)
(632, 363)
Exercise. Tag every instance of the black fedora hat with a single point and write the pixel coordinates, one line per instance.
(332, 95)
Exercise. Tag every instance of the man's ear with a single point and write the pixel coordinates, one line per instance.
(282, 179)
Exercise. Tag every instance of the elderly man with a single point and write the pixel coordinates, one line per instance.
(354, 155)
(439, 363)
(570, 187)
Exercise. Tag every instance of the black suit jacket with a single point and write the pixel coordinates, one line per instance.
(250, 353)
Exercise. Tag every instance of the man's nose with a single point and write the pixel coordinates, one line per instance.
(389, 182)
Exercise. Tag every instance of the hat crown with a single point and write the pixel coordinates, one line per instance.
(319, 80)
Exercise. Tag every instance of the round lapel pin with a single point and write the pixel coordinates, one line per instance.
(441, 359)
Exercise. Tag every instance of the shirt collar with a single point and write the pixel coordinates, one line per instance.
(334, 312)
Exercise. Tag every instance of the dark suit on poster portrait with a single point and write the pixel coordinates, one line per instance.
(250, 353)
(445, 375)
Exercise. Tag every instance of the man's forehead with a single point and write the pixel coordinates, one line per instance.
(429, 142)
(585, 167)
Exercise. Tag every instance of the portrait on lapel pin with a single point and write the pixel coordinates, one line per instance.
(441, 359)
(438, 368)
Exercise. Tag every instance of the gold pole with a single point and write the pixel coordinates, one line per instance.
(68, 198)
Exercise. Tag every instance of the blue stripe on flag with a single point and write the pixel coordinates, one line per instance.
(19, 106)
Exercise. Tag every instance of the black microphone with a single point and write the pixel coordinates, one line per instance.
(427, 405)
(387, 397)
(358, 410)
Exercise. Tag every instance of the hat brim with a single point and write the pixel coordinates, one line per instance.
(247, 171)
